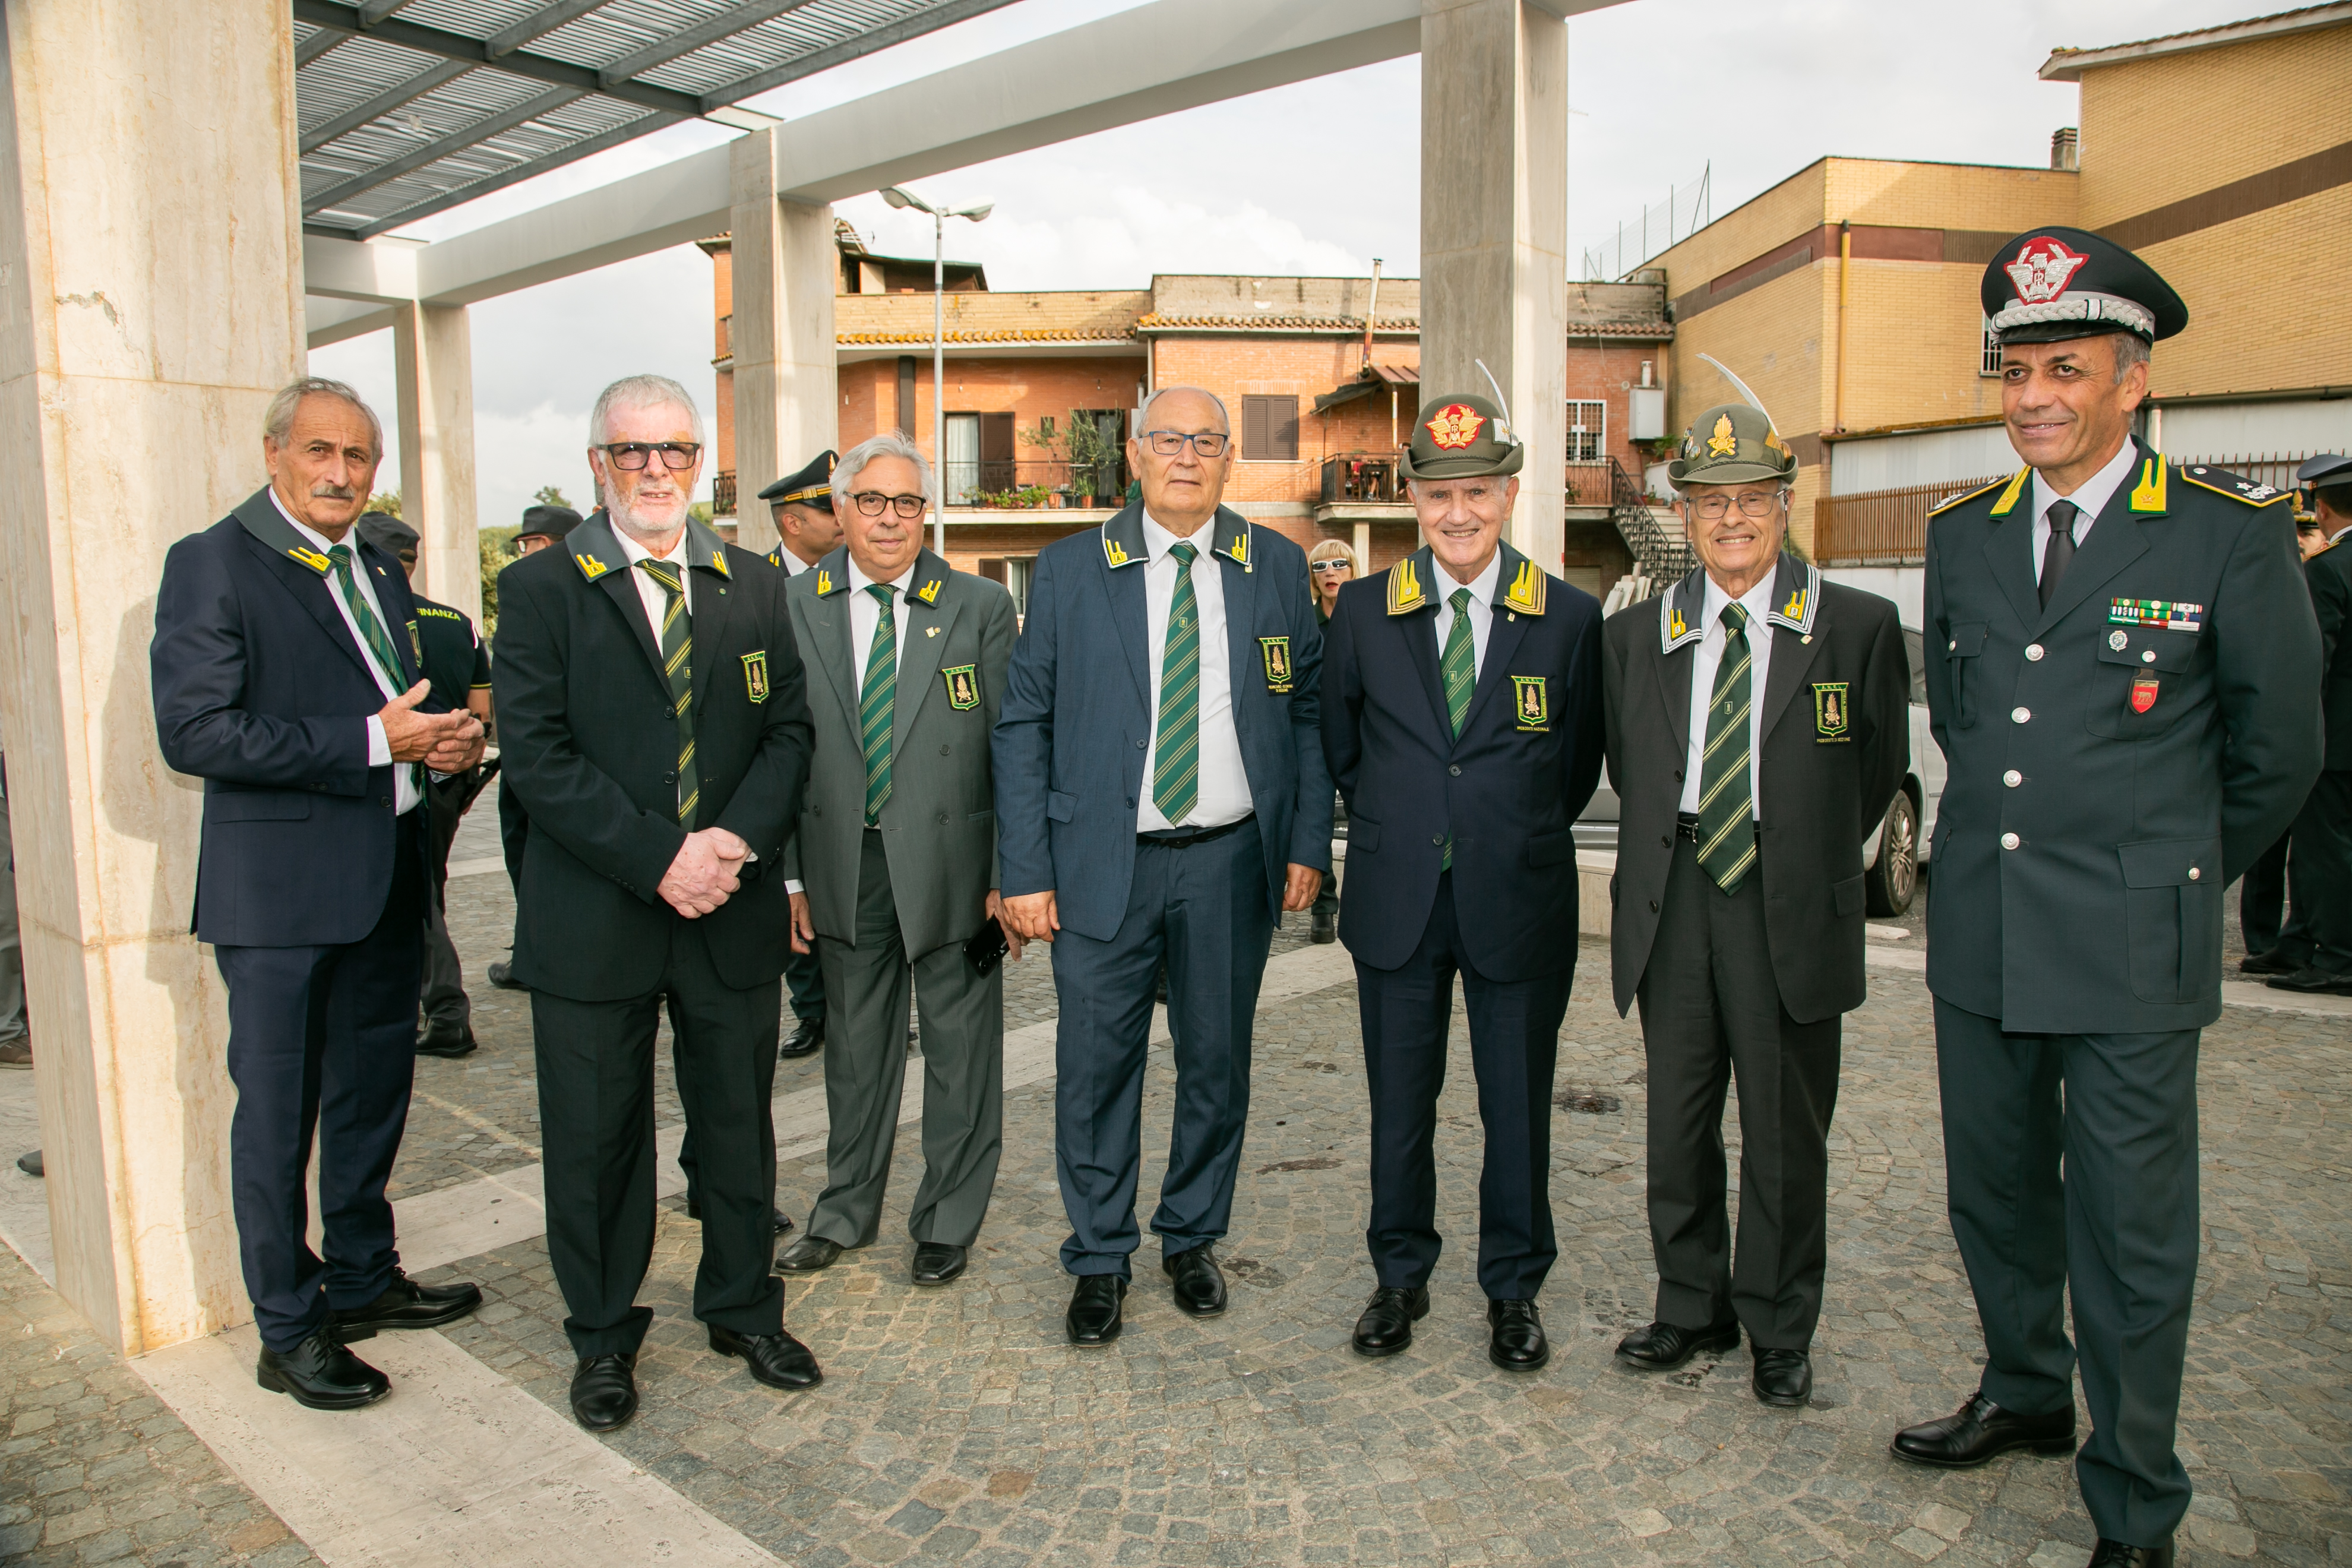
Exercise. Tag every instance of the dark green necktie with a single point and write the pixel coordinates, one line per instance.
(1727, 816)
(877, 700)
(1176, 764)
(1460, 668)
(678, 666)
(372, 632)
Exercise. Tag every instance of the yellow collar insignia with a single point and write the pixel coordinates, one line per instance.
(929, 591)
(1405, 591)
(312, 559)
(2008, 500)
(1677, 625)
(1527, 593)
(1113, 552)
(2148, 495)
(591, 568)
(824, 581)
(1795, 608)
(1239, 549)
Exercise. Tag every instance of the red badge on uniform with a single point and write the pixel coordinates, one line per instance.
(2142, 693)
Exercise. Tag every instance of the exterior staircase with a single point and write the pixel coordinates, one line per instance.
(1658, 555)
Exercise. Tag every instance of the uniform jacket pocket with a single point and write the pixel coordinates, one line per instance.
(2141, 684)
(1552, 849)
(1060, 808)
(1845, 897)
(1963, 648)
(2172, 917)
(1363, 836)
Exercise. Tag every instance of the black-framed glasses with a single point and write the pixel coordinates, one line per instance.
(871, 503)
(1714, 508)
(1167, 443)
(676, 455)
(1332, 565)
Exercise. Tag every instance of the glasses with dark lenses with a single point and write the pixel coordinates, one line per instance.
(1714, 508)
(1334, 565)
(871, 503)
(676, 455)
(1167, 443)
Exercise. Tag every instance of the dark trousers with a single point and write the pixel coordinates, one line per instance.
(1710, 1011)
(2319, 933)
(596, 1119)
(323, 1040)
(448, 1011)
(1514, 1044)
(1202, 908)
(2070, 1164)
(804, 978)
(2262, 897)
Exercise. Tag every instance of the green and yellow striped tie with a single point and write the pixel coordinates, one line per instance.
(877, 700)
(1176, 762)
(1727, 816)
(1460, 667)
(372, 632)
(678, 665)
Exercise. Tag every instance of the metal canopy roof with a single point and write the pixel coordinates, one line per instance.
(409, 106)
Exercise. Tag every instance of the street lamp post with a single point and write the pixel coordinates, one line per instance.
(898, 197)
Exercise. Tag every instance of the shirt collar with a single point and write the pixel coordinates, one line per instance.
(632, 552)
(310, 535)
(1482, 587)
(1158, 541)
(2094, 492)
(859, 582)
(1757, 601)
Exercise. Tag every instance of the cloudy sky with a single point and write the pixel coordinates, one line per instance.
(1316, 178)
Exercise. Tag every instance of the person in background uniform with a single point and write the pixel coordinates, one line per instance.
(2123, 673)
(650, 702)
(2261, 891)
(459, 666)
(897, 848)
(1160, 794)
(284, 678)
(1758, 725)
(543, 526)
(1462, 725)
(2313, 954)
(1332, 565)
(806, 532)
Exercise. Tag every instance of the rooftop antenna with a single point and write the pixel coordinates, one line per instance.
(1752, 400)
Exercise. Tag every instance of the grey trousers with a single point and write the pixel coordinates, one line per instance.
(962, 1023)
(444, 1008)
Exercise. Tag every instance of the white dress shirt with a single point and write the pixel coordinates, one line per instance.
(1757, 602)
(2092, 495)
(1223, 795)
(1481, 612)
(650, 593)
(864, 614)
(405, 792)
(793, 564)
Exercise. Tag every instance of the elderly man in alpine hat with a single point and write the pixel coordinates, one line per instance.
(2123, 671)
(1462, 720)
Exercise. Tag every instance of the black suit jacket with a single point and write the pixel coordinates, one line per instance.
(589, 743)
(1836, 740)
(2329, 573)
(260, 691)
(1508, 788)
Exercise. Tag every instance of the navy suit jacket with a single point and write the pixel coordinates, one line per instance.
(1076, 719)
(1508, 788)
(261, 693)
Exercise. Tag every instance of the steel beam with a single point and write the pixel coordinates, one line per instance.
(476, 51)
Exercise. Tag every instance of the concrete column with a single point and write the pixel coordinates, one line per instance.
(151, 302)
(1494, 231)
(787, 396)
(433, 353)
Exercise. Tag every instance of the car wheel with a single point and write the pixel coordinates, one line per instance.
(1893, 877)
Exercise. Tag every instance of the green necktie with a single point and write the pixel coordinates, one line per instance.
(372, 632)
(877, 701)
(678, 665)
(1176, 764)
(1727, 817)
(1460, 667)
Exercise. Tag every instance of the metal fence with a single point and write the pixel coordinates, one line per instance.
(1027, 484)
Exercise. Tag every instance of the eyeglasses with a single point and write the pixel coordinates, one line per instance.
(1330, 566)
(1714, 508)
(1167, 443)
(871, 503)
(676, 455)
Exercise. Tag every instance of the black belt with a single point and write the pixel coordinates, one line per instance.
(1185, 838)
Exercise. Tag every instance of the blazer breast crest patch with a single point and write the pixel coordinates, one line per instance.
(963, 686)
(1831, 716)
(1531, 703)
(416, 644)
(1277, 653)
(755, 675)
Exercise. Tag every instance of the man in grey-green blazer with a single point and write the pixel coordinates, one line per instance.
(894, 870)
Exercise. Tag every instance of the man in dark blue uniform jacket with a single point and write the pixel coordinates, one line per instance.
(1463, 723)
(2123, 671)
(284, 678)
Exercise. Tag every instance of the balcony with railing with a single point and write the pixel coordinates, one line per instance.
(1032, 485)
(723, 494)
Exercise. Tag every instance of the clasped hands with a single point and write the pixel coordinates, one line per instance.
(445, 742)
(707, 868)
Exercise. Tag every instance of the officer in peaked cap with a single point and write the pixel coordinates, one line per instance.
(806, 531)
(1462, 722)
(2123, 672)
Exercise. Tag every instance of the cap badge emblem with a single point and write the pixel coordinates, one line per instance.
(1723, 443)
(2043, 269)
(1456, 426)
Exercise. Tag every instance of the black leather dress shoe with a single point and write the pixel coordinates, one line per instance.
(1095, 1314)
(320, 1372)
(1980, 1429)
(777, 1360)
(2314, 981)
(502, 975)
(777, 1217)
(1782, 1378)
(1662, 1347)
(405, 1304)
(808, 1255)
(448, 1043)
(937, 1262)
(1386, 1326)
(1200, 1283)
(1324, 927)
(2266, 964)
(2116, 1554)
(805, 1039)
(1518, 1343)
(604, 1391)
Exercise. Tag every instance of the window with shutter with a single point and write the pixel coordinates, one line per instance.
(1269, 429)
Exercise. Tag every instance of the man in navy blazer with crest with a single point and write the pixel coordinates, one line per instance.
(286, 676)
(1161, 794)
(1461, 719)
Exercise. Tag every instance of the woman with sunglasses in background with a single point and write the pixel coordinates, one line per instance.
(1330, 567)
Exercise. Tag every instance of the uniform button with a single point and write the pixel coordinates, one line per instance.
(2012, 778)
(1437, 839)
(1952, 647)
(1455, 768)
(2146, 658)
(2034, 651)
(2194, 874)
(943, 815)
(1138, 745)
(1664, 842)
(386, 800)
(2019, 715)
(1654, 903)
(669, 778)
(2009, 841)
(943, 751)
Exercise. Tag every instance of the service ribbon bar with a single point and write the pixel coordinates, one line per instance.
(2169, 613)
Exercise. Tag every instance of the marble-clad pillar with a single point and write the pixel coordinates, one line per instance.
(433, 356)
(785, 271)
(150, 303)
